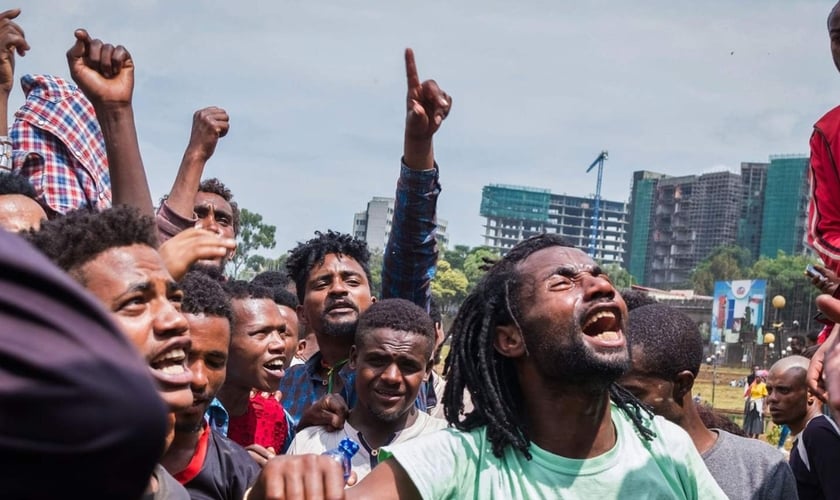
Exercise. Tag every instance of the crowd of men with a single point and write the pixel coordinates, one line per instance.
(132, 367)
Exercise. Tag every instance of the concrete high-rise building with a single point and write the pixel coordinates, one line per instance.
(785, 206)
(753, 180)
(687, 218)
(514, 213)
(640, 209)
(676, 222)
(374, 224)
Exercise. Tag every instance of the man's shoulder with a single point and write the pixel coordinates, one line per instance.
(829, 123)
(228, 449)
(820, 430)
(753, 451)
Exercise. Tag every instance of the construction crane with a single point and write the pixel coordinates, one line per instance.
(596, 213)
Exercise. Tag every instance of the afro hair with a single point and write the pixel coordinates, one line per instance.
(304, 257)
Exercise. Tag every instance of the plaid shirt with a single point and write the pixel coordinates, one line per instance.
(59, 147)
(411, 254)
(302, 385)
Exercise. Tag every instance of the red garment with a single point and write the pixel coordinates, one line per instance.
(197, 461)
(264, 423)
(824, 177)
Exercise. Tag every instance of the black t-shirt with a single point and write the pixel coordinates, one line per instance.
(227, 472)
(822, 443)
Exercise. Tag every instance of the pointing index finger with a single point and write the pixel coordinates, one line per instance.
(411, 70)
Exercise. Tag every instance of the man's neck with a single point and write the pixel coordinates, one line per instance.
(584, 416)
(334, 349)
(376, 431)
(234, 399)
(181, 451)
(798, 426)
(691, 423)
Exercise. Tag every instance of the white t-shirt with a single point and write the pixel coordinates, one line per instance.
(317, 440)
(453, 465)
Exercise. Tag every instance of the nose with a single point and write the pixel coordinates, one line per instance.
(391, 374)
(277, 342)
(598, 286)
(208, 221)
(199, 377)
(168, 321)
(337, 287)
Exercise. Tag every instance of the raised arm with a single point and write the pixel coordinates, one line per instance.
(411, 254)
(209, 125)
(12, 39)
(105, 74)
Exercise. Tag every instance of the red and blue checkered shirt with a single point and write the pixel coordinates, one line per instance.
(58, 146)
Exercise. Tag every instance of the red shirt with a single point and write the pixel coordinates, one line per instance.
(264, 423)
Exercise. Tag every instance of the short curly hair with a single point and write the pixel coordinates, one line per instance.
(204, 295)
(81, 235)
(243, 290)
(668, 339)
(400, 315)
(272, 279)
(307, 255)
(283, 297)
(12, 183)
(216, 186)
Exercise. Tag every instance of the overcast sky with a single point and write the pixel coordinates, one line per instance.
(316, 92)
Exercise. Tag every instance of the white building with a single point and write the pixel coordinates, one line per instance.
(374, 224)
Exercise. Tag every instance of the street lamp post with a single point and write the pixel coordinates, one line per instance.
(778, 303)
(714, 360)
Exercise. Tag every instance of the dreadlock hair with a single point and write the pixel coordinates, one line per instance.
(204, 295)
(307, 255)
(473, 363)
(400, 315)
(80, 236)
(669, 341)
(216, 186)
(12, 183)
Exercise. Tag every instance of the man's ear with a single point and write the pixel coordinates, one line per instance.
(354, 354)
(683, 384)
(509, 342)
(372, 299)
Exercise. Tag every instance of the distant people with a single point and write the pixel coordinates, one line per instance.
(112, 254)
(666, 354)
(755, 395)
(816, 449)
(797, 345)
(80, 412)
(391, 356)
(752, 375)
(539, 345)
(19, 209)
(209, 465)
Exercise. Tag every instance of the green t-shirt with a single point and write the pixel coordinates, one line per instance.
(454, 464)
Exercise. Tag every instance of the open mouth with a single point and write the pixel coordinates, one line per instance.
(275, 366)
(170, 367)
(341, 307)
(171, 362)
(603, 325)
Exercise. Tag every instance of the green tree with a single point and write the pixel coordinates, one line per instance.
(254, 235)
(375, 266)
(725, 263)
(784, 275)
(620, 277)
(474, 263)
(456, 256)
(449, 288)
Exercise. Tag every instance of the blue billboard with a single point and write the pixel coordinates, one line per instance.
(738, 311)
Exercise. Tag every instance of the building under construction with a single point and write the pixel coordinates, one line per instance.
(514, 213)
(678, 221)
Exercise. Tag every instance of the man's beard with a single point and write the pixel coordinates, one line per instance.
(577, 364)
(214, 271)
(340, 329)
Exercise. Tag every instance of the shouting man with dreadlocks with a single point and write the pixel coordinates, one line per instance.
(539, 345)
